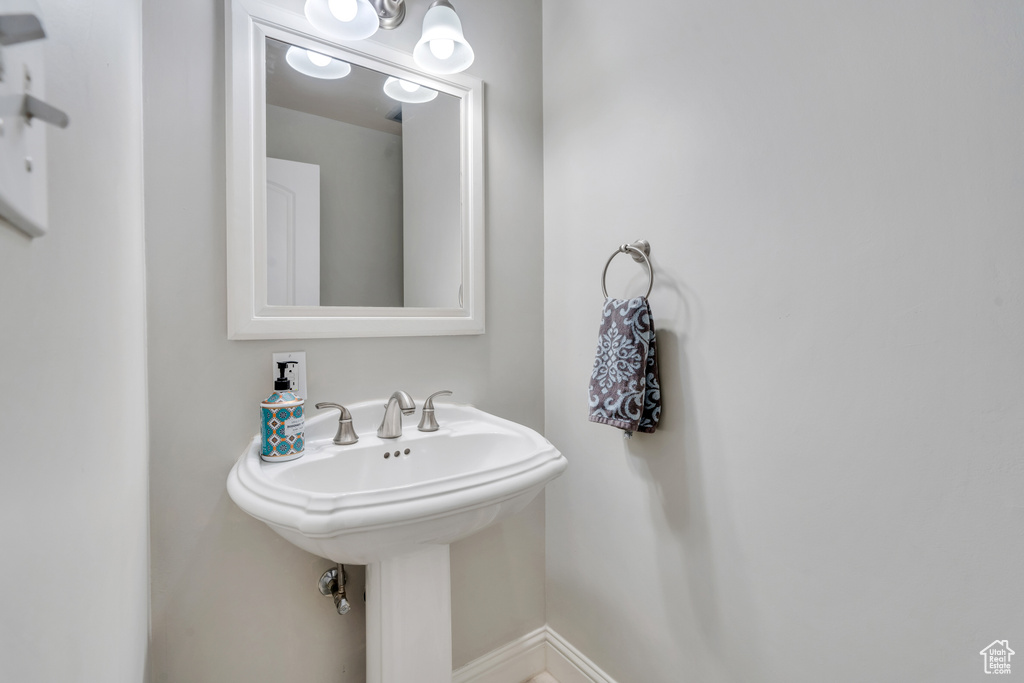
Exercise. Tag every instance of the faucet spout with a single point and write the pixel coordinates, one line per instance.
(399, 404)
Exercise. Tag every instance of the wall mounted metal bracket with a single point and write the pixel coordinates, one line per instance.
(390, 12)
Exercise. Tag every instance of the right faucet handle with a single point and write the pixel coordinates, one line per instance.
(428, 423)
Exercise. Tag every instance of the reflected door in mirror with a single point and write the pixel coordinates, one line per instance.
(293, 233)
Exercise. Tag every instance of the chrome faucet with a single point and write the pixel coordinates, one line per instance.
(399, 404)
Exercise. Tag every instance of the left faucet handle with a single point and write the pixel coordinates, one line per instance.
(346, 435)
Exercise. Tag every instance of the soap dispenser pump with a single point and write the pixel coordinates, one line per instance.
(282, 422)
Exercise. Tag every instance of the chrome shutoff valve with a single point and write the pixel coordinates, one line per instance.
(330, 587)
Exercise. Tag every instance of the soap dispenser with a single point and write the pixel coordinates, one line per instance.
(282, 423)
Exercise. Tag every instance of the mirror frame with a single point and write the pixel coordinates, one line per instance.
(249, 23)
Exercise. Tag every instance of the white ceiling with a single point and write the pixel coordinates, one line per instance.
(358, 98)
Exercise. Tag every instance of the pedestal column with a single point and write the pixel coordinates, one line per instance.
(409, 618)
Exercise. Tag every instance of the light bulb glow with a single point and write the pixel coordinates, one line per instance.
(343, 10)
(442, 48)
(342, 19)
(315, 64)
(317, 58)
(404, 91)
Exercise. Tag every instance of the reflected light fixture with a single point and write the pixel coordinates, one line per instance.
(404, 91)
(343, 19)
(315, 64)
(442, 49)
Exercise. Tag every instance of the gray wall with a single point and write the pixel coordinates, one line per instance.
(231, 600)
(432, 232)
(833, 197)
(73, 493)
(361, 213)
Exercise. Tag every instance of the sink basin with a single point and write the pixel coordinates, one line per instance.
(384, 498)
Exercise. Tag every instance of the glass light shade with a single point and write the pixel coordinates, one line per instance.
(363, 24)
(397, 89)
(301, 60)
(442, 24)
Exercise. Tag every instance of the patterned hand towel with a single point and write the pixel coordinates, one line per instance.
(625, 391)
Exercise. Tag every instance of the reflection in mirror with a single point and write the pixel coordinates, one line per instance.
(363, 190)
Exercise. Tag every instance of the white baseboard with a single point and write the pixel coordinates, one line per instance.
(518, 661)
(569, 665)
(523, 658)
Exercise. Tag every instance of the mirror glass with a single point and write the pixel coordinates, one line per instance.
(355, 202)
(363, 191)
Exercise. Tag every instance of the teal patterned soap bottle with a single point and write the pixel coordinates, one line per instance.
(282, 423)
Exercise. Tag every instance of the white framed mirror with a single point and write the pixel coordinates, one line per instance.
(350, 213)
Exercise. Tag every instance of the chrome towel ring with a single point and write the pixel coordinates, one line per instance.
(640, 251)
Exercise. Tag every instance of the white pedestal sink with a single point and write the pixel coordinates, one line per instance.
(395, 505)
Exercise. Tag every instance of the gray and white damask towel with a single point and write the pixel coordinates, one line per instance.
(625, 390)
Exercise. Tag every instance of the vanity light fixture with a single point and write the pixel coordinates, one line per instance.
(315, 64)
(343, 19)
(442, 49)
(404, 91)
